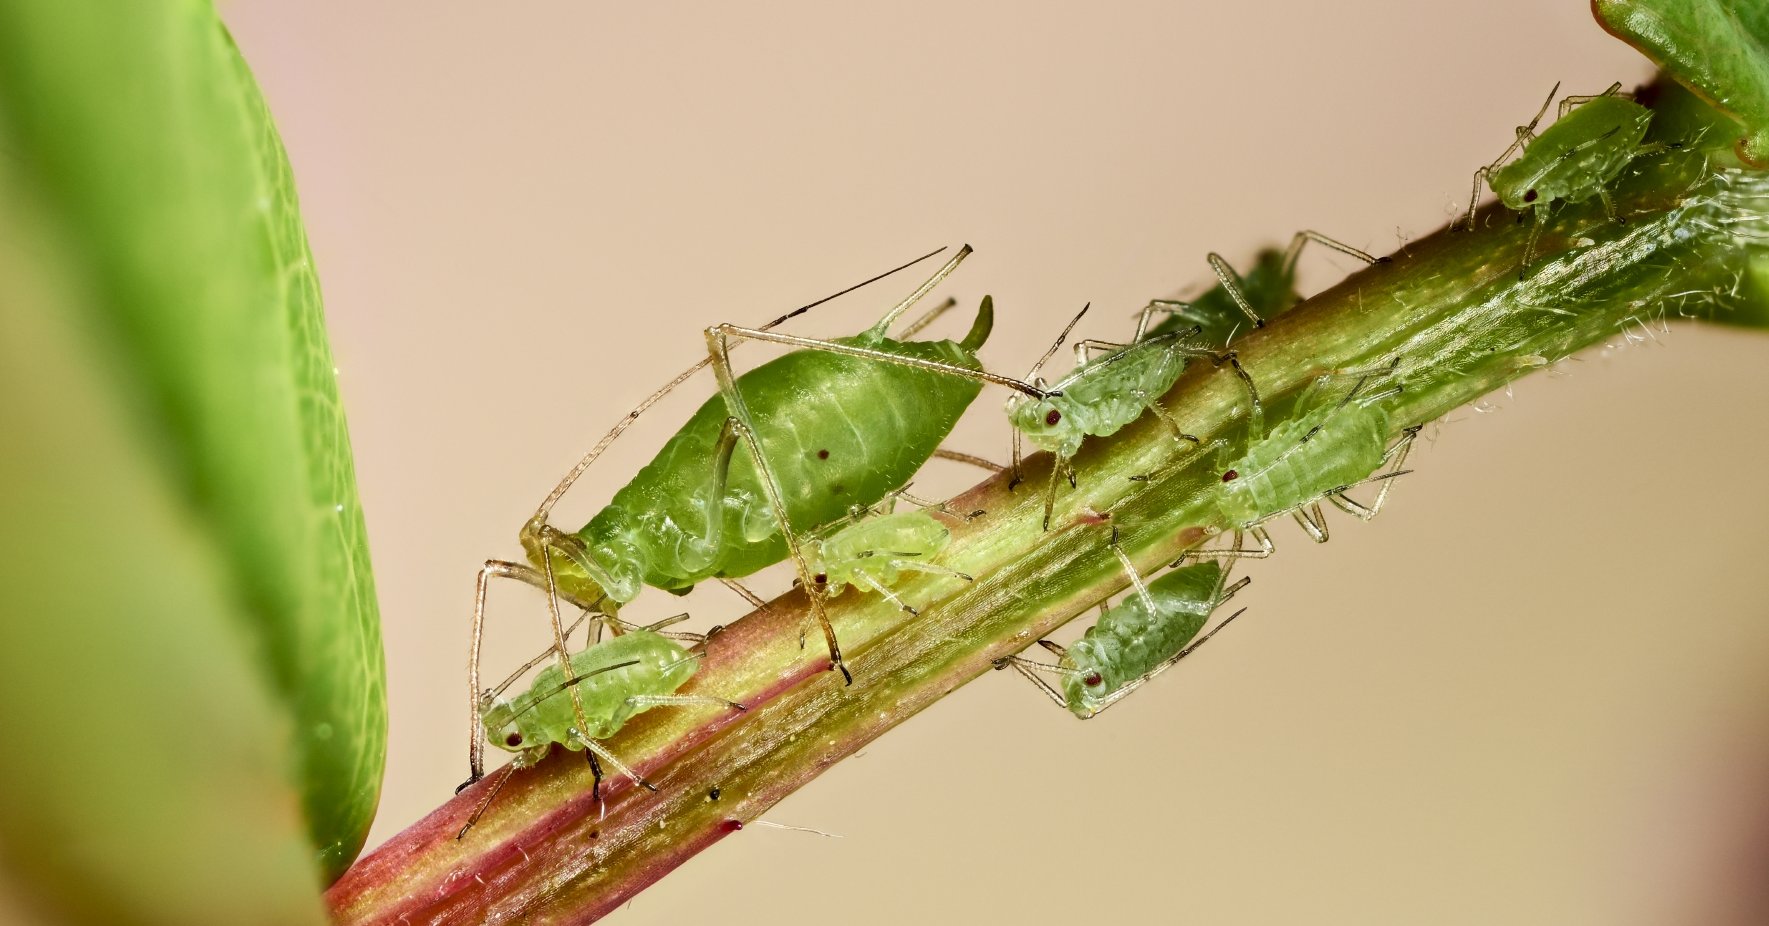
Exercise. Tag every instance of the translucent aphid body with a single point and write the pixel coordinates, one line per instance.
(1303, 459)
(530, 723)
(1151, 629)
(1101, 395)
(1571, 161)
(1578, 156)
(874, 552)
(1139, 635)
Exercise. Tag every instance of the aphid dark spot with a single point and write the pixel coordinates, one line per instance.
(713, 794)
(514, 739)
(1093, 680)
(1529, 196)
(1230, 476)
(822, 454)
(1052, 418)
(839, 489)
(820, 578)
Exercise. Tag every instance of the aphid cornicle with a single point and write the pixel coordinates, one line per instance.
(1323, 452)
(828, 426)
(614, 680)
(1573, 160)
(1154, 627)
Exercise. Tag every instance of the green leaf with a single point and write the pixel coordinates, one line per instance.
(159, 174)
(1718, 49)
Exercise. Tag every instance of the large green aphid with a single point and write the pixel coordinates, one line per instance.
(1327, 449)
(1154, 627)
(1577, 158)
(873, 552)
(1239, 303)
(1104, 393)
(827, 427)
(612, 680)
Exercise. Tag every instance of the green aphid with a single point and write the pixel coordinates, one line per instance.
(612, 680)
(1152, 628)
(1324, 451)
(875, 550)
(781, 451)
(1573, 160)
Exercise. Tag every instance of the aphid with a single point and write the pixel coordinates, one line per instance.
(1574, 159)
(875, 549)
(1103, 394)
(613, 680)
(1154, 627)
(826, 427)
(1237, 303)
(1322, 453)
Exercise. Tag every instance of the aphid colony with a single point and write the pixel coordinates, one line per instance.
(804, 459)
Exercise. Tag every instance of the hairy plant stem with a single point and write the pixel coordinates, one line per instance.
(1450, 313)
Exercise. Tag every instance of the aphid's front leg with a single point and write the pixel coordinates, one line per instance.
(1029, 669)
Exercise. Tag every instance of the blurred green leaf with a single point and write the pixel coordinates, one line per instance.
(1718, 48)
(142, 139)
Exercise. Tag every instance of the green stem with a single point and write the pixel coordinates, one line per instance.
(1450, 307)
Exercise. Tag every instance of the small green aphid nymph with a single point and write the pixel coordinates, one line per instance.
(1571, 161)
(875, 550)
(1154, 627)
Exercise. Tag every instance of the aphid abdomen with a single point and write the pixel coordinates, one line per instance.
(1303, 459)
(872, 546)
(663, 666)
(838, 431)
(1129, 640)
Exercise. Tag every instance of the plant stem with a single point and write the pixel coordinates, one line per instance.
(1449, 311)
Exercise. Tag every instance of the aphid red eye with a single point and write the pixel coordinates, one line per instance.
(820, 578)
(1052, 418)
(1230, 476)
(1093, 680)
(822, 454)
(514, 739)
(1529, 196)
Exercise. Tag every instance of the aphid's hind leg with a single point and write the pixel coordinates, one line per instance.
(884, 591)
(1236, 551)
(755, 600)
(485, 804)
(972, 459)
(645, 701)
(1312, 521)
(1568, 102)
(594, 751)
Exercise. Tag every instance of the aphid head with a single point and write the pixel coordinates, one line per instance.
(498, 717)
(1048, 423)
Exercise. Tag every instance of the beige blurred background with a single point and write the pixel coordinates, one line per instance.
(1533, 693)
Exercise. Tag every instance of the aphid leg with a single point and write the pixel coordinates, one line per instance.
(1529, 243)
(979, 462)
(1480, 177)
(594, 750)
(1136, 583)
(1231, 284)
(1608, 206)
(1236, 551)
(1312, 520)
(1567, 103)
(755, 600)
(861, 578)
(913, 565)
(564, 657)
(645, 701)
(492, 569)
(1294, 251)
(1143, 679)
(1029, 670)
(1172, 424)
(479, 811)
(1399, 455)
(1057, 465)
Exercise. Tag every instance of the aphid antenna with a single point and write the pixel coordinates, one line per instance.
(1058, 343)
(503, 686)
(796, 829)
(556, 689)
